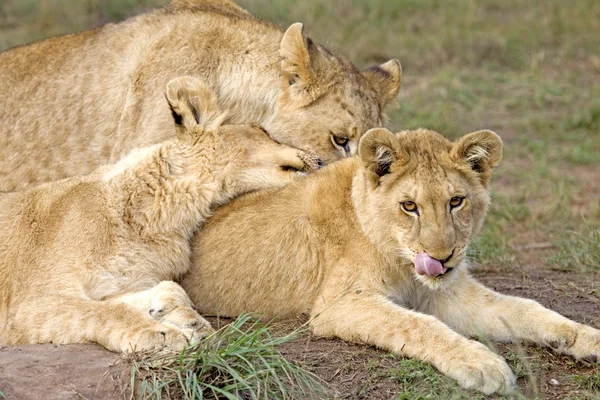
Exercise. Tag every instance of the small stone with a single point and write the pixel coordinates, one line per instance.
(554, 382)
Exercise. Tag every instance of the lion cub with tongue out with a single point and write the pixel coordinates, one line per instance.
(374, 248)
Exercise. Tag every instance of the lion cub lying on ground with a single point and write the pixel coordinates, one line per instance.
(374, 249)
(89, 259)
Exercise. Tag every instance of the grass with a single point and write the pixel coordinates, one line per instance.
(589, 382)
(419, 380)
(416, 379)
(578, 251)
(491, 247)
(23, 21)
(241, 361)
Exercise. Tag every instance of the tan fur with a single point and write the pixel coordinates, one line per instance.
(72, 103)
(339, 247)
(92, 258)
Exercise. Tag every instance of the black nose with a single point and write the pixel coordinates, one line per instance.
(319, 163)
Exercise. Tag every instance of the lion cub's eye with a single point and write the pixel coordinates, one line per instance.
(456, 201)
(409, 206)
(340, 141)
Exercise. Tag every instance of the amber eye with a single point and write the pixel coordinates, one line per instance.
(456, 201)
(409, 206)
(340, 140)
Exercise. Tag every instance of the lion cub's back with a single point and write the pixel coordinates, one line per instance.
(44, 231)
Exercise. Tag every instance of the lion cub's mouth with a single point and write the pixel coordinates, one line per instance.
(426, 265)
(446, 272)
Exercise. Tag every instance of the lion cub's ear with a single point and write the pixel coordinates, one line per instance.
(295, 56)
(378, 149)
(482, 150)
(194, 105)
(386, 79)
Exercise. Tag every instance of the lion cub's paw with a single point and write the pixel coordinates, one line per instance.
(186, 318)
(478, 368)
(587, 345)
(159, 337)
(166, 297)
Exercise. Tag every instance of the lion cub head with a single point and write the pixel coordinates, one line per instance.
(326, 104)
(422, 197)
(241, 158)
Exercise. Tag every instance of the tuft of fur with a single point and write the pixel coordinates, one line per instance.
(339, 247)
(92, 258)
(80, 101)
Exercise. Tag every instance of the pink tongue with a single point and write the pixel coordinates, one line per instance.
(426, 265)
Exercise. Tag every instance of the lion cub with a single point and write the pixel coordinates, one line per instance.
(374, 249)
(90, 259)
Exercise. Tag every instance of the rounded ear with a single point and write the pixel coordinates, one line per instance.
(193, 104)
(482, 150)
(378, 149)
(295, 58)
(386, 79)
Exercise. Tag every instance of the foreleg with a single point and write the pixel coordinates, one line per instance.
(372, 318)
(474, 309)
(114, 325)
(168, 303)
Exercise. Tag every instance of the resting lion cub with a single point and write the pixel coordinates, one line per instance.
(91, 258)
(374, 249)
(72, 103)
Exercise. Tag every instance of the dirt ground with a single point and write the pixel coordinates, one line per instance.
(53, 372)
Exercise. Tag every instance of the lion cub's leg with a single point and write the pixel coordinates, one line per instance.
(473, 309)
(168, 303)
(114, 325)
(374, 319)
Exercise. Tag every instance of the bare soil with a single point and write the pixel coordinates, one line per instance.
(53, 372)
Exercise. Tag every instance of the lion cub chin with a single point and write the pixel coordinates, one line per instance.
(374, 250)
(92, 259)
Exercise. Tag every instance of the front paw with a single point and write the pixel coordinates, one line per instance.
(476, 367)
(166, 297)
(587, 345)
(190, 321)
(159, 337)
